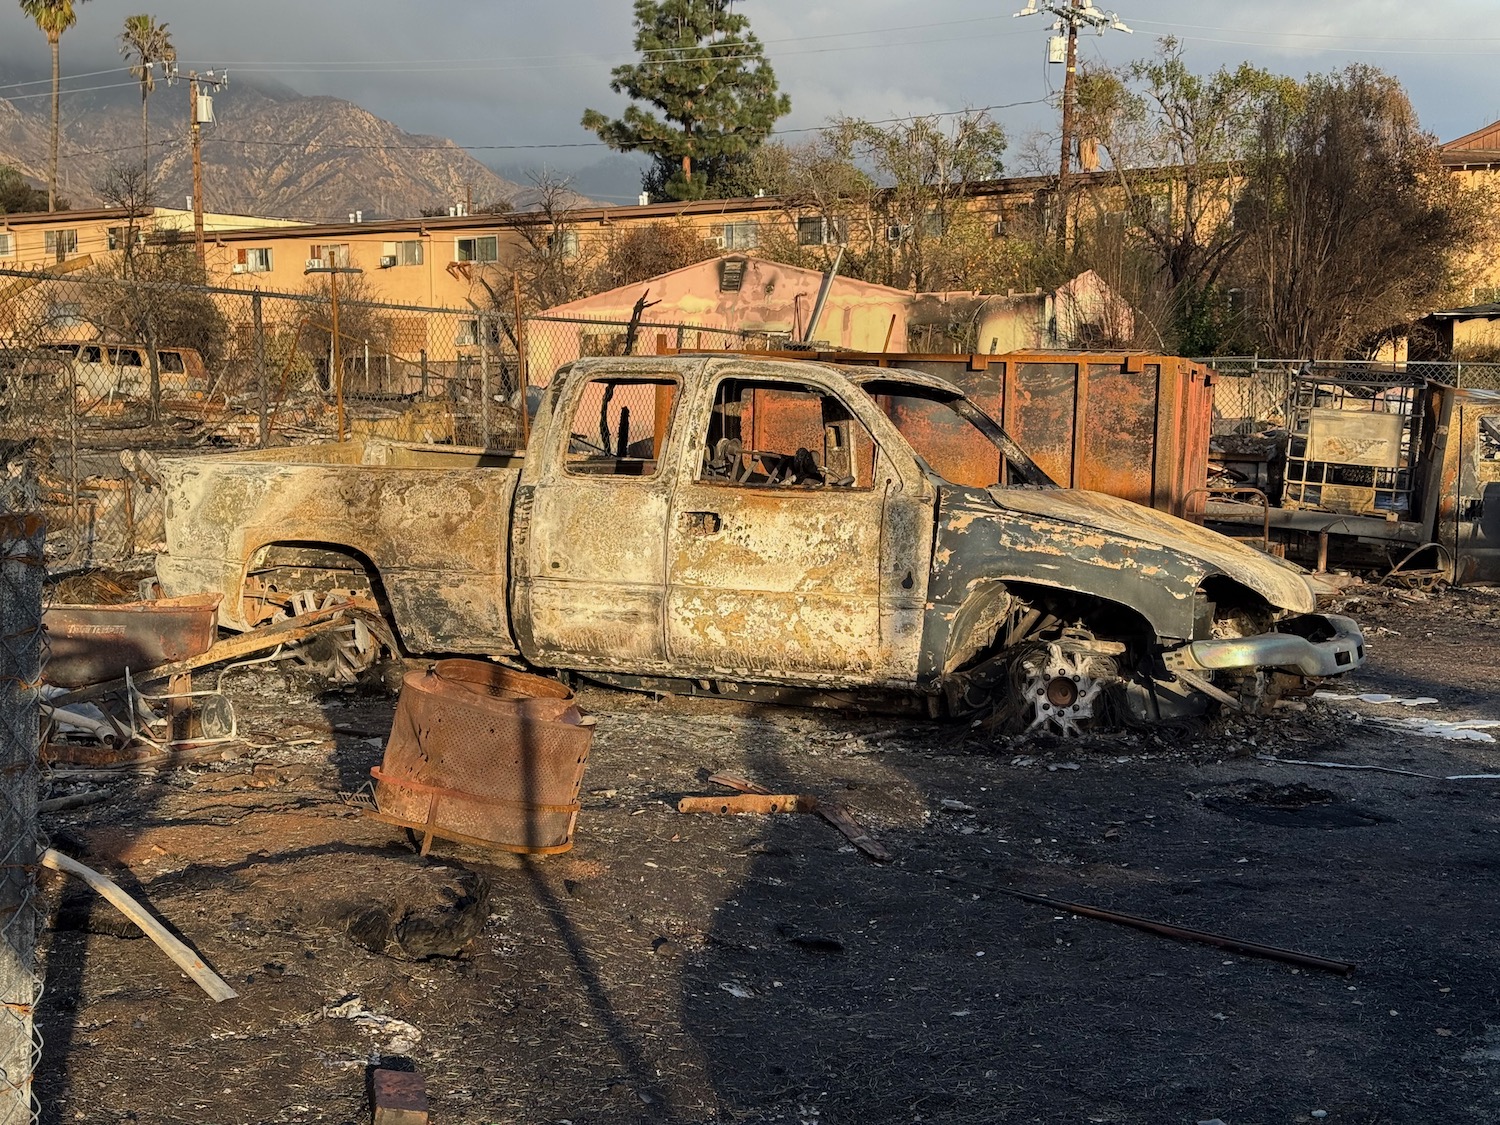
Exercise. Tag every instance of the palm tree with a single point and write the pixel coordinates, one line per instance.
(150, 43)
(52, 18)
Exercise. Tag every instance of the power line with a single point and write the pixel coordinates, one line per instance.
(65, 78)
(1329, 35)
(79, 90)
(354, 146)
(332, 65)
(578, 60)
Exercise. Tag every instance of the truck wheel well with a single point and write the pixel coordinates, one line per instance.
(281, 569)
(1103, 617)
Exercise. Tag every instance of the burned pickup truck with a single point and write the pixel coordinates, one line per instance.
(759, 529)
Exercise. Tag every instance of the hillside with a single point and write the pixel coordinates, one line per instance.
(270, 152)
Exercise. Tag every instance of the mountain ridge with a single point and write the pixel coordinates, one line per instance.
(271, 152)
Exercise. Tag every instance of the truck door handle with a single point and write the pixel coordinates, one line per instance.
(702, 523)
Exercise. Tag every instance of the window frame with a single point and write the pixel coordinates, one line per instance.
(831, 231)
(339, 258)
(570, 413)
(793, 385)
(477, 241)
(256, 259)
(51, 238)
(742, 234)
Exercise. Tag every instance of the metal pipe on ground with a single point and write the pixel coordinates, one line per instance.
(1163, 929)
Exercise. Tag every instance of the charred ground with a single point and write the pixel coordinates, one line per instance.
(692, 969)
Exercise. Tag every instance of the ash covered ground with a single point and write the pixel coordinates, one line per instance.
(676, 968)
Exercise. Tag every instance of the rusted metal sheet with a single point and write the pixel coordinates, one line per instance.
(89, 644)
(484, 755)
(1461, 488)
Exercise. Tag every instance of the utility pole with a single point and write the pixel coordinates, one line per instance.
(201, 109)
(1065, 164)
(1071, 15)
(196, 130)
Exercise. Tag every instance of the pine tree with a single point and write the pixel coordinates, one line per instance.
(706, 74)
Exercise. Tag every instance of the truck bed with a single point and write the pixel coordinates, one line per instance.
(434, 531)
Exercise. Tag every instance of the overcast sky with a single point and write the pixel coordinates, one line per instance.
(507, 73)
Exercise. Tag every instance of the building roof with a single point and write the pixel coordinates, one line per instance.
(91, 215)
(1490, 310)
(1477, 149)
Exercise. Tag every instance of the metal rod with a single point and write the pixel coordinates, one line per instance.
(338, 365)
(1165, 929)
(523, 374)
(484, 382)
(260, 370)
(823, 291)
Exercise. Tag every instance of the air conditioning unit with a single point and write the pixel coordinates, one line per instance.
(895, 232)
(314, 264)
(239, 267)
(387, 261)
(717, 241)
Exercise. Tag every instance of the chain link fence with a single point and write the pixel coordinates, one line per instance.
(103, 375)
(22, 569)
(1251, 394)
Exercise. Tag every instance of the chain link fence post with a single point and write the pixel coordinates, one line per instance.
(22, 568)
(262, 384)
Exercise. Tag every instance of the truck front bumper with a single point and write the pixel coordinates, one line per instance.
(1339, 648)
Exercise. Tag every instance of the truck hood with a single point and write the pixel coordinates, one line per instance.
(1283, 585)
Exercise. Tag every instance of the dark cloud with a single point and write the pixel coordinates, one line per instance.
(521, 73)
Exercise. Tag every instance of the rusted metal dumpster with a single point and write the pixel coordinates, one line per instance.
(484, 755)
(1127, 424)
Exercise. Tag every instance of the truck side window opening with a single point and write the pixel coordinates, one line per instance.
(953, 438)
(766, 434)
(620, 427)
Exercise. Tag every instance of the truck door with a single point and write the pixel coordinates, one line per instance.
(780, 566)
(593, 582)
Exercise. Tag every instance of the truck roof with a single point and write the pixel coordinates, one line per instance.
(855, 373)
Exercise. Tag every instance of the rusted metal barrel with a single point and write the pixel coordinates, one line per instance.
(484, 755)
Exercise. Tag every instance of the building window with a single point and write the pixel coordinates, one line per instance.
(65, 314)
(118, 236)
(486, 249)
(7, 245)
(61, 243)
(563, 243)
(253, 259)
(933, 223)
(738, 236)
(815, 230)
(332, 254)
(407, 253)
(468, 331)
